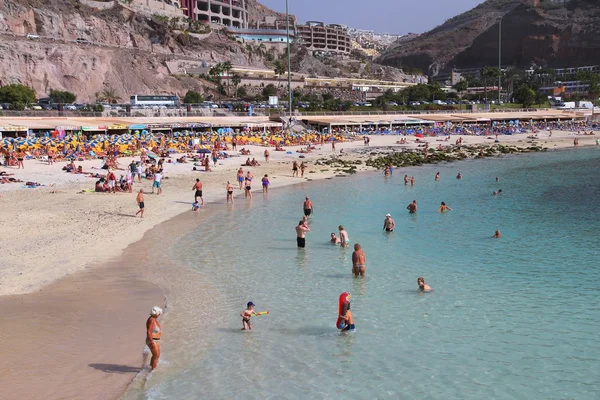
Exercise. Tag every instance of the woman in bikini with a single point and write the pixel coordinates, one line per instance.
(153, 334)
(248, 188)
(229, 190)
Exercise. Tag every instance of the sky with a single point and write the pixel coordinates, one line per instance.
(383, 16)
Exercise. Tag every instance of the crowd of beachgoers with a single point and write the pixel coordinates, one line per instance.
(200, 148)
(448, 128)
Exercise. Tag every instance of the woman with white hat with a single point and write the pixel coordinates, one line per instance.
(153, 333)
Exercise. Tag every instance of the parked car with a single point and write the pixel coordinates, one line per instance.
(32, 36)
(36, 107)
(70, 107)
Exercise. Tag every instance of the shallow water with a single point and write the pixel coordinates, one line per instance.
(509, 318)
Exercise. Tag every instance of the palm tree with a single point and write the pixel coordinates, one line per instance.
(510, 76)
(460, 87)
(215, 73)
(262, 49)
(109, 95)
(236, 79)
(279, 70)
(488, 73)
(226, 68)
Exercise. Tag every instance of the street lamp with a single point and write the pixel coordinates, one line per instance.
(499, 58)
(289, 57)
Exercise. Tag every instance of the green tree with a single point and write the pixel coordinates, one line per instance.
(62, 96)
(512, 75)
(226, 67)
(460, 87)
(236, 79)
(108, 95)
(269, 90)
(279, 69)
(420, 92)
(216, 74)
(327, 97)
(241, 92)
(17, 93)
(488, 74)
(525, 95)
(591, 79)
(193, 97)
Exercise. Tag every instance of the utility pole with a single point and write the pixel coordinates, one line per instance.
(289, 57)
(499, 58)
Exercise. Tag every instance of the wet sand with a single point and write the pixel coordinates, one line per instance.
(78, 338)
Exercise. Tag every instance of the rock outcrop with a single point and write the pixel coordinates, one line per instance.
(534, 32)
(118, 48)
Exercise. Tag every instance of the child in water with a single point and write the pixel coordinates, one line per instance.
(347, 317)
(246, 314)
(195, 206)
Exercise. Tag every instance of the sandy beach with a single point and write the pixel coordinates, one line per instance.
(63, 263)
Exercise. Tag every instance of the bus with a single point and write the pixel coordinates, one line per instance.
(162, 100)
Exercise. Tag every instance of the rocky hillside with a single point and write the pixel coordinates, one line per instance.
(121, 49)
(540, 32)
(257, 12)
(87, 46)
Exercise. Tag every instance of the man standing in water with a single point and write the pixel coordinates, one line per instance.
(412, 207)
(389, 224)
(198, 188)
(301, 230)
(308, 207)
(359, 261)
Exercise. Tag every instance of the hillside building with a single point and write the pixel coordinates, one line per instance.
(230, 13)
(317, 36)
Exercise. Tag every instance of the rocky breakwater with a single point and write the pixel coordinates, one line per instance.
(380, 158)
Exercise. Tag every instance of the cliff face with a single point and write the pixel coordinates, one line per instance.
(543, 33)
(257, 12)
(126, 51)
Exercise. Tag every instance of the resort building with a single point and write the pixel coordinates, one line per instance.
(230, 13)
(317, 36)
(261, 35)
(270, 30)
(273, 22)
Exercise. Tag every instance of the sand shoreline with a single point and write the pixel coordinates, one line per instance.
(84, 231)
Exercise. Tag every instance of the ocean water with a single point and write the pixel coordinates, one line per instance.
(510, 318)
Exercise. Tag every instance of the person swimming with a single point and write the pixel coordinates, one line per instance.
(444, 208)
(334, 238)
(497, 234)
(422, 286)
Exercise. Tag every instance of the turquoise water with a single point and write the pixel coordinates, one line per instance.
(510, 318)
